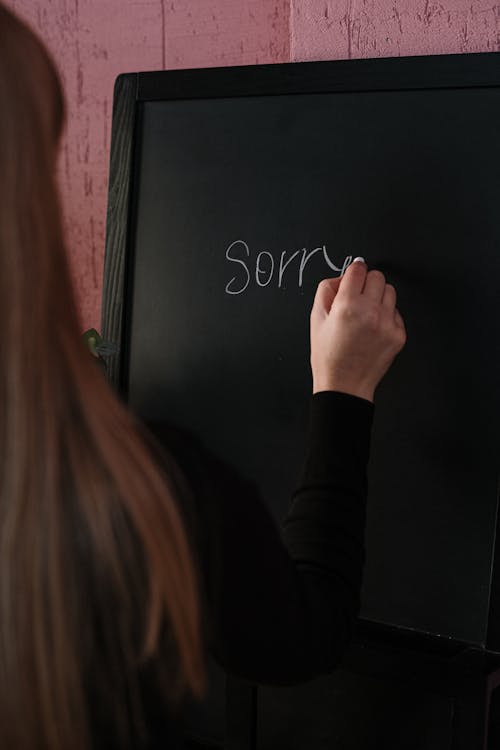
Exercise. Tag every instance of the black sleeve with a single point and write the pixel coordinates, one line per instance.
(280, 603)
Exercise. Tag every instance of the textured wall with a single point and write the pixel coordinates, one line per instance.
(341, 29)
(94, 40)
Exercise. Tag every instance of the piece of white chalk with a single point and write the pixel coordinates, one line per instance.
(359, 259)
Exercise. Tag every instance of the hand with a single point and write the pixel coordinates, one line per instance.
(356, 332)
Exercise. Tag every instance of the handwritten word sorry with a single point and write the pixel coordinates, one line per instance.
(266, 269)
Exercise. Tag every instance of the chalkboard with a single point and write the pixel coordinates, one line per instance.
(233, 192)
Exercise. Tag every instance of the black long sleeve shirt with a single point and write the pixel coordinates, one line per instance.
(281, 602)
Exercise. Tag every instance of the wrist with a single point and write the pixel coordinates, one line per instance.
(352, 389)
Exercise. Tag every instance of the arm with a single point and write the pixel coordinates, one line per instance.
(280, 606)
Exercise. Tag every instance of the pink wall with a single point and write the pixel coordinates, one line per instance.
(341, 29)
(94, 40)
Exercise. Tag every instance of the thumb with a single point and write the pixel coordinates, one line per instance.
(325, 294)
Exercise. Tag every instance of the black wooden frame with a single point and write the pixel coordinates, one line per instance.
(381, 74)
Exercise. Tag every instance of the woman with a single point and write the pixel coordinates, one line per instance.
(122, 562)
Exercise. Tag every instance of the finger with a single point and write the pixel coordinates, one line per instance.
(399, 320)
(353, 281)
(374, 286)
(389, 298)
(325, 294)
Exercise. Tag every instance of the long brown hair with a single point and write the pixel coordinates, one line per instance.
(96, 570)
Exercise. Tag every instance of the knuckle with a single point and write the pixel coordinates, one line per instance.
(346, 310)
(364, 316)
(371, 318)
(399, 338)
(378, 275)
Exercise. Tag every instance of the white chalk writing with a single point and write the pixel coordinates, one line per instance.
(265, 265)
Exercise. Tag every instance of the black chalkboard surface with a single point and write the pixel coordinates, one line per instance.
(233, 192)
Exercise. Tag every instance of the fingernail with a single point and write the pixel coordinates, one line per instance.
(359, 259)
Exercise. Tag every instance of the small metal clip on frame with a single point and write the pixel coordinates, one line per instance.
(98, 347)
